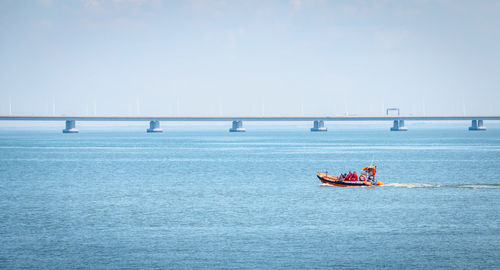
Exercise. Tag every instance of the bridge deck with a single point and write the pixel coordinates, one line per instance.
(243, 118)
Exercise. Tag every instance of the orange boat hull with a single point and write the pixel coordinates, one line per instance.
(334, 181)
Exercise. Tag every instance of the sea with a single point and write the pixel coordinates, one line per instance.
(210, 199)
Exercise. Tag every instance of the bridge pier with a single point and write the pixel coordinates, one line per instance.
(477, 125)
(319, 125)
(399, 125)
(154, 127)
(237, 126)
(70, 127)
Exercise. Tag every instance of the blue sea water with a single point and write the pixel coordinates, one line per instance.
(212, 199)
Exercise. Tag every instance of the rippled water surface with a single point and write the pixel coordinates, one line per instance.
(211, 199)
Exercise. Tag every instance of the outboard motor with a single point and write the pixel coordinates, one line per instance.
(372, 180)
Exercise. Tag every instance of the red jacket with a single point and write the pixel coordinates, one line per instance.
(355, 176)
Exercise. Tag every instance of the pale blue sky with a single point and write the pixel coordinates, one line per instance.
(249, 57)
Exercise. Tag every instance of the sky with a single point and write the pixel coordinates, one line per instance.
(222, 57)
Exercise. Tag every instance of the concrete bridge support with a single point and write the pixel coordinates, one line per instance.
(319, 125)
(70, 127)
(399, 125)
(237, 126)
(477, 125)
(154, 127)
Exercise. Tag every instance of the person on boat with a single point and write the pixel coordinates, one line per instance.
(355, 177)
(372, 170)
(349, 176)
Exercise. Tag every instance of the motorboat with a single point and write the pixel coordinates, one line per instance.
(366, 179)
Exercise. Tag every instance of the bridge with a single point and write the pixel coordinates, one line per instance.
(398, 121)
